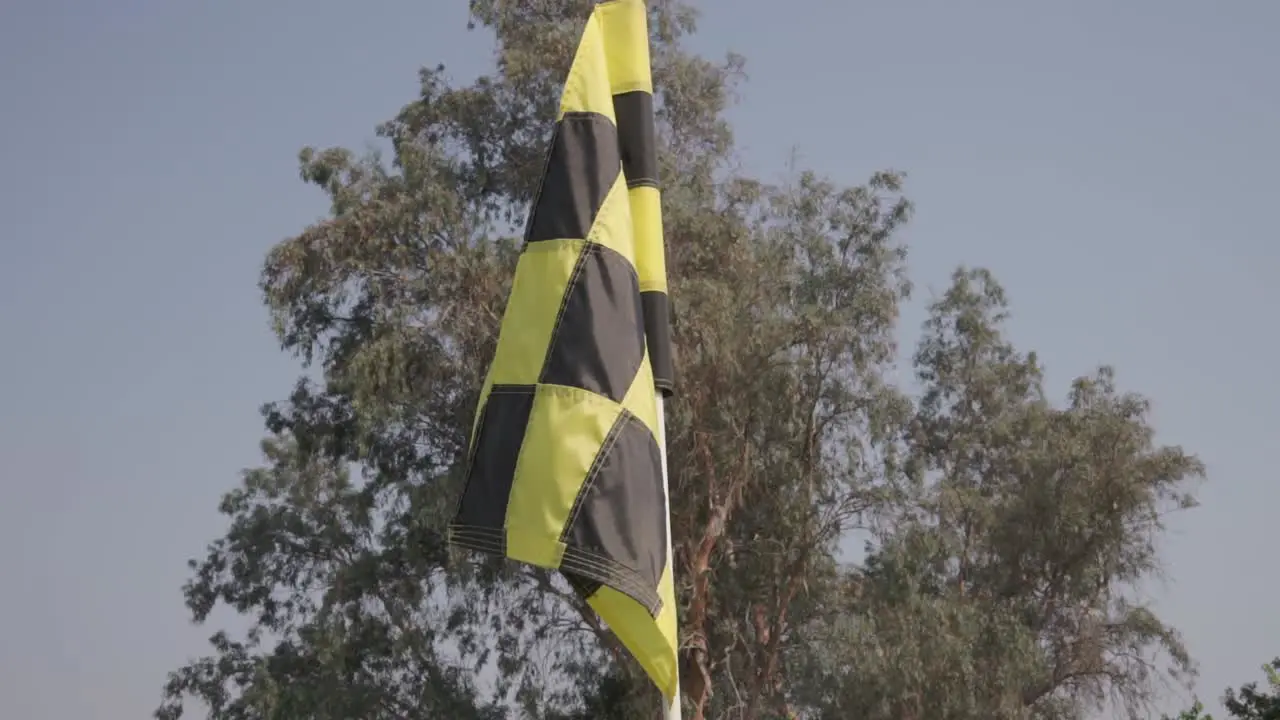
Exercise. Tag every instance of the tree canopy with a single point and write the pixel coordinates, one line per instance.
(1248, 703)
(845, 546)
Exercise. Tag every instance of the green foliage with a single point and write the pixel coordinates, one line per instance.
(1252, 703)
(1247, 703)
(1004, 533)
(1195, 712)
(1003, 580)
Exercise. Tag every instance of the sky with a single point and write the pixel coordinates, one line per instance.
(1110, 162)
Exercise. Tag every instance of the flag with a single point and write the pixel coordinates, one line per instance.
(566, 458)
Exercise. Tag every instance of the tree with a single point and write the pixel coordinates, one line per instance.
(1248, 703)
(1001, 593)
(1002, 531)
(1195, 712)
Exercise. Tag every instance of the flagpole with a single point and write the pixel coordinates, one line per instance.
(672, 711)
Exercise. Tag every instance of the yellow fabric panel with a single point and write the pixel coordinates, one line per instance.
(587, 87)
(542, 274)
(626, 41)
(646, 220)
(484, 397)
(566, 430)
(640, 401)
(612, 227)
(652, 641)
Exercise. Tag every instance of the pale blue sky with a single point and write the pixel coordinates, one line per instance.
(1111, 162)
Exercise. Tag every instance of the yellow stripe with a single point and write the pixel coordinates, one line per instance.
(587, 87)
(484, 397)
(567, 428)
(639, 400)
(626, 40)
(542, 274)
(652, 642)
(646, 220)
(613, 226)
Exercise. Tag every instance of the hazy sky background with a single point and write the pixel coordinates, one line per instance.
(1111, 162)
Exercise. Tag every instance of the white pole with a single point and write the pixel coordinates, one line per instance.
(673, 711)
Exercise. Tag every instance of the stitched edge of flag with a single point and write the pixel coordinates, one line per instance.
(576, 561)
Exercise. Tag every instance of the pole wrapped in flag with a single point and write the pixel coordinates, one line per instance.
(567, 461)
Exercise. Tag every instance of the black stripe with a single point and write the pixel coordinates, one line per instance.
(657, 330)
(493, 458)
(620, 516)
(636, 137)
(582, 166)
(598, 344)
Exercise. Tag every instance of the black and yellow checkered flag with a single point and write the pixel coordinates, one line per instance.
(567, 456)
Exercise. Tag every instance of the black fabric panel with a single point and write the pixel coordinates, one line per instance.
(657, 329)
(493, 460)
(582, 166)
(636, 137)
(620, 514)
(598, 344)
